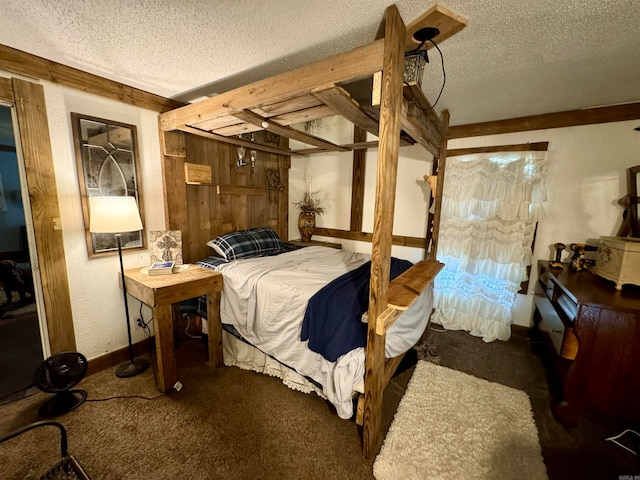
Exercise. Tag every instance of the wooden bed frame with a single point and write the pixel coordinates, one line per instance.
(207, 195)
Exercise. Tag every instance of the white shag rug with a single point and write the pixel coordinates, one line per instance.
(451, 425)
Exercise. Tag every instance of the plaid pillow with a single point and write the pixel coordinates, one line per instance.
(211, 263)
(247, 243)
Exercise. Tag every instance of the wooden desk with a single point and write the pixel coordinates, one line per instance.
(160, 292)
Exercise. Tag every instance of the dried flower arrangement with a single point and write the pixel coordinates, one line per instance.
(312, 200)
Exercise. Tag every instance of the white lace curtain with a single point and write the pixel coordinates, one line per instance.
(490, 206)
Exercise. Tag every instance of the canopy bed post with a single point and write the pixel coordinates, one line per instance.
(390, 109)
(439, 167)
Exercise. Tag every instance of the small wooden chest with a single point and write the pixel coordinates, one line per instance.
(618, 259)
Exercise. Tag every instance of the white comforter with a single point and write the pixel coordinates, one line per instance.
(265, 300)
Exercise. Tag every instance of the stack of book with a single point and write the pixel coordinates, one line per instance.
(161, 268)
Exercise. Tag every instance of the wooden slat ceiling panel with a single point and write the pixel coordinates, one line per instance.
(299, 116)
(218, 124)
(341, 102)
(419, 122)
(287, 106)
(213, 123)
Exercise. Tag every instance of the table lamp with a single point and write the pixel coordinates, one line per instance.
(117, 215)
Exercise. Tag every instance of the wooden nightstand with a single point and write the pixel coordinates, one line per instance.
(316, 243)
(162, 293)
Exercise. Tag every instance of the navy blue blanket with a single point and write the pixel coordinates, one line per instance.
(332, 320)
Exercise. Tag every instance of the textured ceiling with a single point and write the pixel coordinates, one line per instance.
(515, 58)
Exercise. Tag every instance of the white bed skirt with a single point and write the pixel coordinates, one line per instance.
(237, 353)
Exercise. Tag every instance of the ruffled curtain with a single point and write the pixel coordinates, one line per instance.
(490, 206)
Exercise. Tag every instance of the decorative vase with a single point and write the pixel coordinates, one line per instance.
(306, 224)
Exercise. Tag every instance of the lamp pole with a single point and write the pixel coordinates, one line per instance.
(132, 367)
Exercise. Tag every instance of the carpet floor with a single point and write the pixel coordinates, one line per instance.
(229, 423)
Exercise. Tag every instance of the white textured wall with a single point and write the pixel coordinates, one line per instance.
(332, 172)
(96, 299)
(586, 177)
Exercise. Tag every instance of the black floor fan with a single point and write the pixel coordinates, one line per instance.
(58, 374)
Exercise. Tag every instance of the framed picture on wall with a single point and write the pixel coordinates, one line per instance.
(108, 164)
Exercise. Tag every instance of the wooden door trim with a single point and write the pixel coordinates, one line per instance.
(35, 142)
(6, 90)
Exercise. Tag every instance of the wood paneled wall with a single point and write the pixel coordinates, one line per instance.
(236, 198)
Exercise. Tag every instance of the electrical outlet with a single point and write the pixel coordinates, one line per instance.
(178, 386)
(139, 322)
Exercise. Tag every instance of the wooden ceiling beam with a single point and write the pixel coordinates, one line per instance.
(339, 100)
(374, 112)
(349, 146)
(234, 141)
(520, 147)
(415, 95)
(23, 63)
(274, 127)
(416, 124)
(571, 118)
(346, 67)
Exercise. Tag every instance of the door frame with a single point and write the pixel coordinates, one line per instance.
(28, 101)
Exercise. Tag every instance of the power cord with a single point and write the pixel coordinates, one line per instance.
(124, 396)
(186, 330)
(155, 382)
(444, 73)
(144, 325)
(147, 331)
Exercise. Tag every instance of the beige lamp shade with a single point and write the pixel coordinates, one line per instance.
(114, 215)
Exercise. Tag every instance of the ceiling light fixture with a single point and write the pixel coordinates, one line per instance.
(424, 35)
(416, 59)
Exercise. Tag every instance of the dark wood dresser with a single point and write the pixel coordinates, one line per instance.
(592, 335)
